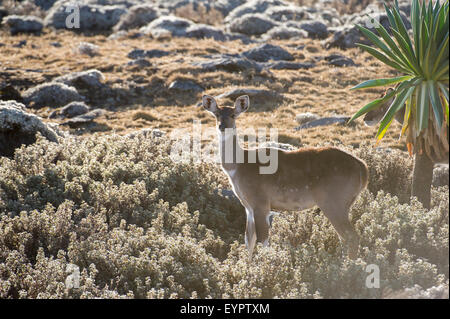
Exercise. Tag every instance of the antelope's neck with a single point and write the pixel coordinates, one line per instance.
(229, 150)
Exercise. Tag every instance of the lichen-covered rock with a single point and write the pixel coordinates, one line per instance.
(167, 26)
(253, 6)
(315, 29)
(229, 64)
(71, 110)
(266, 52)
(185, 86)
(84, 80)
(203, 31)
(17, 127)
(23, 24)
(136, 17)
(288, 13)
(284, 32)
(93, 17)
(50, 94)
(252, 24)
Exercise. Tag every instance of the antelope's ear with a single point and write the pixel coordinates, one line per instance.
(209, 103)
(242, 104)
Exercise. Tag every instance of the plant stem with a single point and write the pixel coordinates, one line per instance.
(422, 178)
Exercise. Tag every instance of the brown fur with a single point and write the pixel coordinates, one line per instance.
(327, 177)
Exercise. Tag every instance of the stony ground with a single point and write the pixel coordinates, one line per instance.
(140, 95)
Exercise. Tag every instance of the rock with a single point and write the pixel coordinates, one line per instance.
(140, 62)
(20, 44)
(85, 80)
(251, 24)
(345, 37)
(88, 49)
(3, 13)
(284, 32)
(71, 110)
(315, 29)
(440, 175)
(23, 24)
(167, 26)
(18, 127)
(266, 52)
(8, 92)
(287, 13)
(56, 44)
(339, 60)
(303, 118)
(257, 96)
(44, 4)
(185, 86)
(341, 120)
(136, 17)
(203, 31)
(139, 53)
(283, 65)
(93, 17)
(50, 94)
(83, 119)
(229, 64)
(253, 6)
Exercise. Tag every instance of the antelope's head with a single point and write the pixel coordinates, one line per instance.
(225, 115)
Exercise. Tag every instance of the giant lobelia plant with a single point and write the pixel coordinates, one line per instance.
(422, 85)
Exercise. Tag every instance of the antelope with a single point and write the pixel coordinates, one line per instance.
(327, 177)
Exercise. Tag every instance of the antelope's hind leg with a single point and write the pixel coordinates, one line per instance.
(338, 216)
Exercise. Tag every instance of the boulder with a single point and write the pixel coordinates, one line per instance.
(283, 32)
(283, 65)
(252, 24)
(304, 118)
(167, 26)
(345, 37)
(93, 17)
(17, 127)
(315, 29)
(44, 4)
(23, 24)
(85, 80)
(84, 119)
(51, 94)
(88, 49)
(339, 60)
(136, 17)
(229, 64)
(185, 86)
(267, 52)
(253, 6)
(257, 96)
(203, 31)
(139, 53)
(287, 13)
(71, 110)
(325, 121)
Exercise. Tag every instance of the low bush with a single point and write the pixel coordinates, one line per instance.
(138, 225)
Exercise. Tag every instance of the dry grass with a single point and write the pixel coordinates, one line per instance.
(324, 89)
